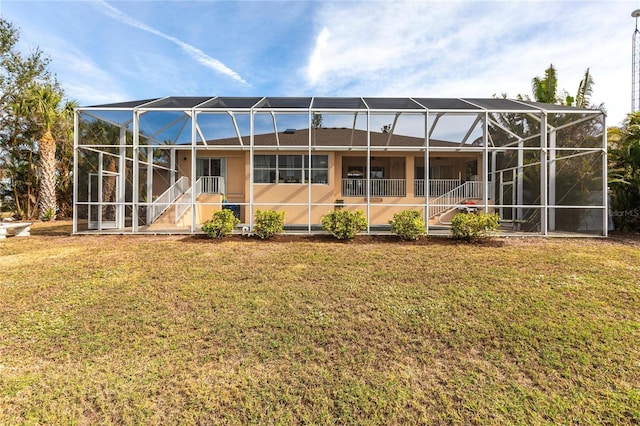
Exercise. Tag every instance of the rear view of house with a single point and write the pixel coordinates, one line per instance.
(165, 165)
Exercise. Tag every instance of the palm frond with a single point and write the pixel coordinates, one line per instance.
(585, 90)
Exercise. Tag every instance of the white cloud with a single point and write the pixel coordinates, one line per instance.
(81, 78)
(471, 49)
(192, 51)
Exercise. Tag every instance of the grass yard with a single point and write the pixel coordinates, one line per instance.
(184, 330)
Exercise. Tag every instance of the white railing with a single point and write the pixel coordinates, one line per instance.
(167, 198)
(449, 200)
(437, 187)
(210, 185)
(183, 204)
(204, 185)
(379, 187)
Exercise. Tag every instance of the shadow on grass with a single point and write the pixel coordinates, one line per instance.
(52, 229)
(357, 240)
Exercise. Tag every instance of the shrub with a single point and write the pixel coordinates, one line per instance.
(48, 215)
(470, 227)
(408, 225)
(221, 224)
(268, 223)
(344, 224)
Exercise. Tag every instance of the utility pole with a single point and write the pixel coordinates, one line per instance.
(635, 65)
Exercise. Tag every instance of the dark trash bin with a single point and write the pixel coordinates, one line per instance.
(235, 208)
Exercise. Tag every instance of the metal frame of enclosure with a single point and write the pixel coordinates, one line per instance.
(541, 167)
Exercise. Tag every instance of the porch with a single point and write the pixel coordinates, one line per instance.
(358, 187)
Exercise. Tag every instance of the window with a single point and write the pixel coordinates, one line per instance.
(441, 172)
(264, 169)
(210, 167)
(435, 171)
(319, 169)
(291, 169)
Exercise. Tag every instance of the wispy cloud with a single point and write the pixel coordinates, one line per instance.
(192, 51)
(468, 49)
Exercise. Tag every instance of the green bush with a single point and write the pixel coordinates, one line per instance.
(221, 224)
(48, 215)
(344, 224)
(470, 227)
(408, 225)
(268, 223)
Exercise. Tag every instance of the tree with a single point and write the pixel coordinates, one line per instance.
(545, 89)
(17, 131)
(624, 172)
(63, 134)
(46, 107)
(585, 90)
(29, 129)
(316, 121)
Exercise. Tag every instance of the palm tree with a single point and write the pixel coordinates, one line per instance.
(46, 107)
(585, 90)
(64, 155)
(545, 89)
(624, 172)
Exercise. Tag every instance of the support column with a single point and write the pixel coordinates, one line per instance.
(194, 117)
(136, 172)
(368, 172)
(544, 202)
(100, 177)
(492, 174)
(485, 162)
(309, 187)
(552, 179)
(519, 186)
(122, 179)
(149, 198)
(251, 191)
(605, 186)
(172, 166)
(76, 154)
(427, 207)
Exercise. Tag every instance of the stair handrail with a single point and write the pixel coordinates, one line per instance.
(181, 208)
(162, 203)
(447, 201)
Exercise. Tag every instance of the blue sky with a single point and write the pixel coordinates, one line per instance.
(111, 51)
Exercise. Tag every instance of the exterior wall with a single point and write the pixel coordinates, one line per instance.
(400, 165)
(236, 176)
(161, 182)
(206, 205)
(270, 196)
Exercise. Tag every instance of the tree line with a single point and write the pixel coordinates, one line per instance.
(36, 133)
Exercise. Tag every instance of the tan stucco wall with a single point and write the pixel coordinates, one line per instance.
(161, 182)
(296, 193)
(397, 165)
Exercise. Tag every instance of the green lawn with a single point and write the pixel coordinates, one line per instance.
(184, 330)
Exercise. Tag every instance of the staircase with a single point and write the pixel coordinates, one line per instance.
(168, 198)
(178, 212)
(450, 201)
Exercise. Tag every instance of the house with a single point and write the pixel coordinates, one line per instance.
(165, 165)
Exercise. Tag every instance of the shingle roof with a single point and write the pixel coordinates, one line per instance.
(330, 137)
